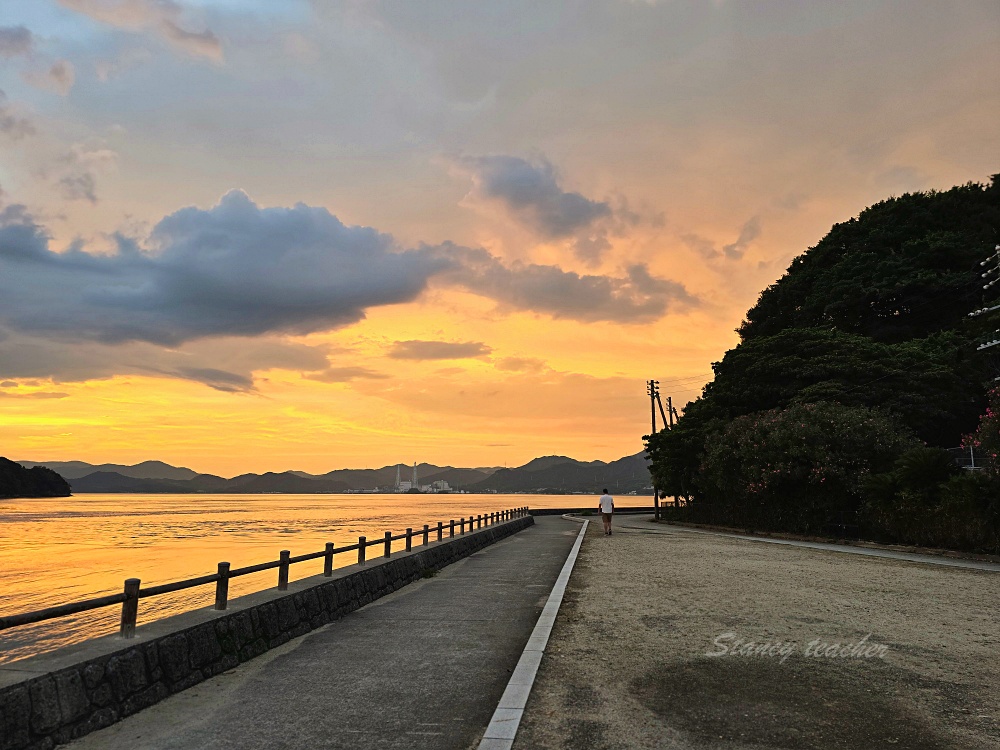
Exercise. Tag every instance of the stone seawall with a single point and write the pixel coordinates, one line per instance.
(53, 698)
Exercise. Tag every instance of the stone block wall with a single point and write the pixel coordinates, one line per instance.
(44, 710)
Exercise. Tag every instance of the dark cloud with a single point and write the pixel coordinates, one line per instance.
(734, 250)
(220, 380)
(8, 384)
(80, 186)
(11, 124)
(531, 192)
(345, 374)
(34, 394)
(58, 78)
(438, 349)
(235, 269)
(748, 233)
(636, 297)
(209, 295)
(14, 41)
(221, 363)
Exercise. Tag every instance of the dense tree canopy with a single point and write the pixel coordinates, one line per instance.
(905, 268)
(17, 481)
(873, 317)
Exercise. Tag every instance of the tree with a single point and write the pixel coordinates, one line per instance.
(903, 269)
(794, 469)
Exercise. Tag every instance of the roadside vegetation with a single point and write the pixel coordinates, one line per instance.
(855, 371)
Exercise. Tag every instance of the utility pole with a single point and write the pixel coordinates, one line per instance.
(668, 416)
(654, 396)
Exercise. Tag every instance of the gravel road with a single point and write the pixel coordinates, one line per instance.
(813, 649)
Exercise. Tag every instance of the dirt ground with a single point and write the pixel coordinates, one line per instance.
(628, 663)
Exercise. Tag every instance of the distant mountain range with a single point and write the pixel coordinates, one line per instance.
(548, 474)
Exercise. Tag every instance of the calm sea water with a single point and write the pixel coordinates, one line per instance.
(54, 551)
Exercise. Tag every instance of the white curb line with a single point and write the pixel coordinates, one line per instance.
(507, 718)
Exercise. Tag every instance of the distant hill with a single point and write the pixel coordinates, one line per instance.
(285, 482)
(111, 481)
(288, 482)
(562, 474)
(544, 474)
(144, 470)
(20, 481)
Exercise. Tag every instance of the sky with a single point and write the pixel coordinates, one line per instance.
(243, 235)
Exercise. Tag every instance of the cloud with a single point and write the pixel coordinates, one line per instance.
(438, 349)
(734, 250)
(79, 187)
(8, 384)
(235, 269)
(34, 394)
(127, 60)
(14, 41)
(345, 374)
(748, 233)
(58, 78)
(161, 17)
(519, 364)
(12, 125)
(227, 364)
(208, 294)
(636, 297)
(80, 166)
(532, 194)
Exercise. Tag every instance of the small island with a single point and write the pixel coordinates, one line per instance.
(17, 481)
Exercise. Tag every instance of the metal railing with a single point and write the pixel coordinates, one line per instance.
(133, 592)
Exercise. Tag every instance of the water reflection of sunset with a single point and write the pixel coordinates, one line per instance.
(58, 551)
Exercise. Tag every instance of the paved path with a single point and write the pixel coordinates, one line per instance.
(421, 668)
(642, 523)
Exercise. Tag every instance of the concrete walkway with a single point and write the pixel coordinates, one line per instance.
(643, 523)
(422, 668)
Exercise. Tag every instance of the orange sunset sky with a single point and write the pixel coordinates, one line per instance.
(239, 235)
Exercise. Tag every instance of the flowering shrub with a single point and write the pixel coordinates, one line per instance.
(987, 437)
(796, 469)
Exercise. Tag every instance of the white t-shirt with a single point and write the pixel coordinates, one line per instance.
(607, 503)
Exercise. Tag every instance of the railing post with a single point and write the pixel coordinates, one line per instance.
(461, 525)
(440, 530)
(409, 539)
(427, 532)
(361, 550)
(328, 560)
(388, 543)
(451, 528)
(130, 608)
(283, 570)
(222, 587)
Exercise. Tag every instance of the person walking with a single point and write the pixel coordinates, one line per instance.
(607, 507)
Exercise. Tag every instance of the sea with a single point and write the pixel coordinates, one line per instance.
(60, 550)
